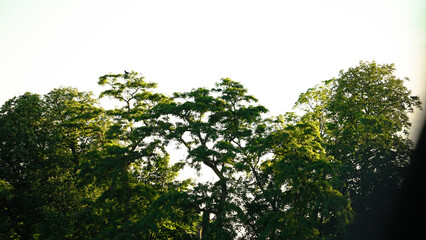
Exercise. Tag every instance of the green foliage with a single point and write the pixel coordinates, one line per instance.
(8, 228)
(213, 124)
(132, 169)
(42, 139)
(71, 170)
(365, 122)
(301, 189)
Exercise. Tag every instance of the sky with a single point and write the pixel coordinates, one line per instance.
(277, 49)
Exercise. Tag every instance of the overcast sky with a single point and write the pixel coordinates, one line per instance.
(277, 49)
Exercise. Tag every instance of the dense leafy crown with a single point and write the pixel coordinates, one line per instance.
(70, 169)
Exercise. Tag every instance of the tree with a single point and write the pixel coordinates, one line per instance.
(8, 226)
(212, 125)
(42, 139)
(364, 114)
(133, 169)
(70, 169)
(296, 196)
(21, 160)
(75, 125)
(223, 131)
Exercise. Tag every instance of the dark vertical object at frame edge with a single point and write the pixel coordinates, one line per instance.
(409, 216)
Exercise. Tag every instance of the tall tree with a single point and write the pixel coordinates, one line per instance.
(72, 170)
(365, 116)
(43, 139)
(213, 125)
(75, 125)
(296, 190)
(21, 160)
(133, 167)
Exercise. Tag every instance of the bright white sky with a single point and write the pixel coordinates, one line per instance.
(277, 49)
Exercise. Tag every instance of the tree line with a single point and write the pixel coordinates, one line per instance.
(70, 169)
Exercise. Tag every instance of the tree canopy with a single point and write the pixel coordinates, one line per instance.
(70, 169)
